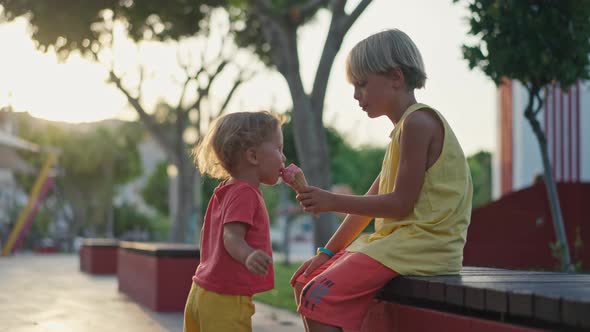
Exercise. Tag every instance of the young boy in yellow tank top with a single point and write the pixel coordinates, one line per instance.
(421, 200)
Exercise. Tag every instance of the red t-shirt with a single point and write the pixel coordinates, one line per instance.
(238, 201)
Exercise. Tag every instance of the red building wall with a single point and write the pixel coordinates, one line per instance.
(516, 230)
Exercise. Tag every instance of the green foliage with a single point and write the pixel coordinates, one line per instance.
(246, 26)
(87, 156)
(356, 167)
(557, 252)
(156, 190)
(289, 144)
(578, 263)
(208, 187)
(91, 163)
(70, 25)
(127, 218)
(49, 135)
(271, 199)
(533, 41)
(481, 174)
(172, 20)
(247, 30)
(39, 227)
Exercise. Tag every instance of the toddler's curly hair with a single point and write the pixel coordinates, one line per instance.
(230, 135)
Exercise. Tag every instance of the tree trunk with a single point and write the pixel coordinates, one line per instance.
(185, 209)
(110, 229)
(311, 142)
(110, 220)
(311, 146)
(550, 186)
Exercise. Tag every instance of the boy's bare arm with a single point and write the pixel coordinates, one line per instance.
(350, 228)
(234, 241)
(414, 143)
(352, 225)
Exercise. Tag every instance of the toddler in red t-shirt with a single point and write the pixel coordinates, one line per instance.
(244, 149)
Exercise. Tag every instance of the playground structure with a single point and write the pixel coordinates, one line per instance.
(43, 184)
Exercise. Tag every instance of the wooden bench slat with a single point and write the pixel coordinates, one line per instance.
(562, 298)
(576, 313)
(494, 278)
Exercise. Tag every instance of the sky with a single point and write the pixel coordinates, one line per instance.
(76, 91)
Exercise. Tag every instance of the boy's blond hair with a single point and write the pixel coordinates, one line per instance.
(383, 51)
(230, 135)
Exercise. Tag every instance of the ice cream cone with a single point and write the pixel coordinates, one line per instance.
(294, 177)
(299, 182)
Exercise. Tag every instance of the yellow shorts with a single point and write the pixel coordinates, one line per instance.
(207, 311)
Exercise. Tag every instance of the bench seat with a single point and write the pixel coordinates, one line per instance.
(519, 300)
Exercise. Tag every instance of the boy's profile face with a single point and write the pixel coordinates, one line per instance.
(377, 93)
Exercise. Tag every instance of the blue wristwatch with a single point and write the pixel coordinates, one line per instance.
(325, 251)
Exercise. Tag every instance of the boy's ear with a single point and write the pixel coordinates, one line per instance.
(251, 156)
(397, 77)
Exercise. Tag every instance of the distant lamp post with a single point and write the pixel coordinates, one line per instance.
(172, 171)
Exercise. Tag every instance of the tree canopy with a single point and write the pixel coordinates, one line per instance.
(71, 25)
(533, 41)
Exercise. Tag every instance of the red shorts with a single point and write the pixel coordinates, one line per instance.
(340, 292)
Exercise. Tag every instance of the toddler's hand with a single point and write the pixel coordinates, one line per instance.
(257, 262)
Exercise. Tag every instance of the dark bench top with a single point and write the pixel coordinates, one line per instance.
(162, 249)
(557, 298)
(99, 242)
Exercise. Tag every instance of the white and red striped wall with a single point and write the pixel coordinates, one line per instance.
(565, 119)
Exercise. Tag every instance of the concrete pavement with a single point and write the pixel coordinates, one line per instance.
(48, 293)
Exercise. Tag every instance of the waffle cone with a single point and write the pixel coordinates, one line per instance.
(299, 182)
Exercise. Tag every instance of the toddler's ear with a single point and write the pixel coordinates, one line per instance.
(251, 156)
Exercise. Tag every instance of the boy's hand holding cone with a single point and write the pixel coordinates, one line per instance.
(294, 177)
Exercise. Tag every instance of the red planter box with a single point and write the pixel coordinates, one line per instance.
(99, 256)
(157, 275)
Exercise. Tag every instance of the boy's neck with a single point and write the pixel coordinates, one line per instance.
(405, 102)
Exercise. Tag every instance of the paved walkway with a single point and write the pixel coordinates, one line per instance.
(47, 293)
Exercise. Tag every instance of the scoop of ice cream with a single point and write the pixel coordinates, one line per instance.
(294, 177)
(288, 173)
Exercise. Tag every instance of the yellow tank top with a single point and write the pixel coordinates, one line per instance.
(431, 238)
